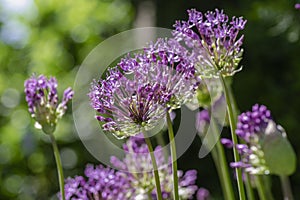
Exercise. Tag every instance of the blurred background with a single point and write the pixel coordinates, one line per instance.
(53, 37)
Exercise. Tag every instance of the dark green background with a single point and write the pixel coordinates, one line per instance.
(60, 34)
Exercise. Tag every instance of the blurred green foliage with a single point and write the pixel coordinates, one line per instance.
(48, 37)
(53, 37)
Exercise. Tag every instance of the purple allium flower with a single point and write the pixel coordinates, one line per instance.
(126, 106)
(42, 99)
(297, 6)
(100, 183)
(251, 127)
(253, 122)
(137, 167)
(213, 40)
(151, 83)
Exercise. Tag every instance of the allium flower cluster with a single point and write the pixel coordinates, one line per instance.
(138, 92)
(100, 183)
(138, 163)
(134, 180)
(42, 99)
(213, 41)
(251, 128)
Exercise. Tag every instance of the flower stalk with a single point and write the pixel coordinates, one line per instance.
(58, 165)
(155, 168)
(249, 189)
(286, 188)
(222, 165)
(173, 157)
(232, 122)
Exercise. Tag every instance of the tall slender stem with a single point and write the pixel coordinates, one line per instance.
(286, 188)
(263, 192)
(155, 168)
(223, 168)
(232, 122)
(260, 188)
(59, 166)
(173, 157)
(249, 189)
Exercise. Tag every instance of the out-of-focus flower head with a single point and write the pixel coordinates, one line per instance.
(297, 6)
(213, 40)
(99, 183)
(137, 165)
(42, 99)
(138, 92)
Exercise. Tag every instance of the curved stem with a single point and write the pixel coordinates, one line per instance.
(232, 122)
(173, 157)
(59, 166)
(155, 169)
(286, 188)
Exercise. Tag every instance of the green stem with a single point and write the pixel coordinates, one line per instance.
(286, 188)
(59, 166)
(223, 168)
(160, 140)
(260, 188)
(173, 157)
(232, 122)
(155, 169)
(249, 189)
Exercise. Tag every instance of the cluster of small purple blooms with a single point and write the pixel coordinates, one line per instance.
(139, 91)
(133, 179)
(213, 41)
(251, 129)
(42, 99)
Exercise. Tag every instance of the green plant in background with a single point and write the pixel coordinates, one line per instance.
(45, 37)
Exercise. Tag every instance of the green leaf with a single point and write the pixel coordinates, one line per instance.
(278, 152)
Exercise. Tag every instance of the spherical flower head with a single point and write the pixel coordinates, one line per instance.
(126, 106)
(42, 99)
(136, 94)
(137, 166)
(213, 40)
(254, 122)
(297, 6)
(166, 63)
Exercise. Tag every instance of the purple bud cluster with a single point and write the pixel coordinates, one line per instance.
(213, 40)
(42, 99)
(253, 122)
(251, 128)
